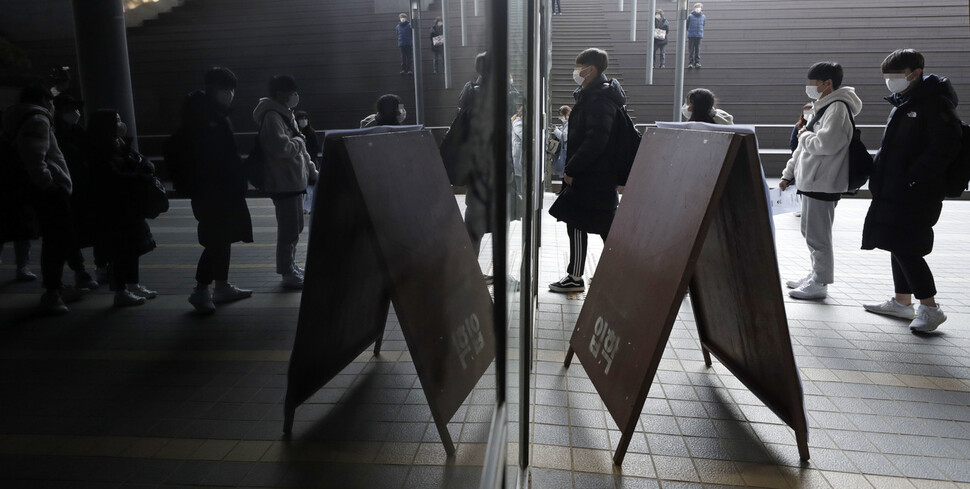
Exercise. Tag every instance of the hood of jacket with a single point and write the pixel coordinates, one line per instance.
(14, 115)
(845, 94)
(696, 14)
(931, 86)
(267, 104)
(601, 87)
(722, 117)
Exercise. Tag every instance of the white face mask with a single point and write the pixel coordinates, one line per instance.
(697, 10)
(224, 97)
(812, 92)
(579, 79)
(685, 111)
(403, 20)
(302, 123)
(72, 117)
(897, 82)
(402, 114)
(293, 101)
(657, 17)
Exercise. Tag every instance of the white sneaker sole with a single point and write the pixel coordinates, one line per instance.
(795, 294)
(554, 288)
(894, 314)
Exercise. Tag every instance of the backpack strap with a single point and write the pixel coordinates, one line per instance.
(818, 115)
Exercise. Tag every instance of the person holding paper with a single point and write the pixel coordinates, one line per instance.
(820, 168)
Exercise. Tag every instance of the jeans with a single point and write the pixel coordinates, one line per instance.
(659, 49)
(56, 228)
(439, 61)
(694, 50)
(911, 275)
(556, 7)
(289, 225)
(407, 58)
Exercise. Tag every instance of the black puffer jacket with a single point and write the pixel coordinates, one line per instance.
(589, 203)
(219, 203)
(922, 138)
(117, 173)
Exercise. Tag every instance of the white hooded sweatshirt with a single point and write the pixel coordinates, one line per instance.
(820, 163)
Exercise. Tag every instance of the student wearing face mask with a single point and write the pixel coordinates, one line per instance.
(389, 112)
(119, 174)
(405, 40)
(587, 203)
(218, 187)
(438, 44)
(288, 171)
(660, 30)
(71, 138)
(819, 167)
(700, 105)
(922, 137)
(695, 32)
(312, 147)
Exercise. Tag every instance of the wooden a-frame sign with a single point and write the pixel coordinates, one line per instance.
(386, 228)
(693, 216)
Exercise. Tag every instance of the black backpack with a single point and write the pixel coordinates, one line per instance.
(625, 143)
(958, 172)
(860, 161)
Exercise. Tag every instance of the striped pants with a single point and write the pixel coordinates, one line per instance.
(578, 245)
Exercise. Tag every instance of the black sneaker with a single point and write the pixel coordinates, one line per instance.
(567, 284)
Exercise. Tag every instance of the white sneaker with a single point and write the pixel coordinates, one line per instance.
(299, 271)
(292, 281)
(139, 290)
(201, 300)
(797, 213)
(124, 298)
(927, 319)
(794, 284)
(892, 308)
(810, 290)
(229, 293)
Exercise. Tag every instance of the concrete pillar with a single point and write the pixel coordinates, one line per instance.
(102, 57)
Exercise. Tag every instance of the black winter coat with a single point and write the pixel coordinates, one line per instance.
(117, 174)
(219, 204)
(590, 202)
(436, 30)
(661, 24)
(922, 138)
(72, 140)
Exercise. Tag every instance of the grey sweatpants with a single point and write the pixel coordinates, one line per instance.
(817, 219)
(289, 225)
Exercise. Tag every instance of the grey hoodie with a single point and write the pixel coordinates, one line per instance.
(288, 165)
(30, 126)
(820, 162)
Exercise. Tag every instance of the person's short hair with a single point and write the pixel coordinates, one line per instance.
(594, 57)
(387, 107)
(402, 14)
(660, 11)
(221, 77)
(826, 70)
(698, 4)
(282, 83)
(903, 59)
(565, 109)
(36, 95)
(483, 63)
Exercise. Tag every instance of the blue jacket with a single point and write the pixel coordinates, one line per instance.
(404, 34)
(695, 25)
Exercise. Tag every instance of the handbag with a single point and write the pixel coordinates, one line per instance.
(438, 40)
(659, 34)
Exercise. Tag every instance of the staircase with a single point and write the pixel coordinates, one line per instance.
(581, 26)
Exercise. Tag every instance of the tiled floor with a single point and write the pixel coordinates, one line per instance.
(157, 397)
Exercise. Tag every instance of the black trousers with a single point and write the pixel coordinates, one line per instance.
(911, 275)
(694, 50)
(123, 270)
(213, 264)
(407, 58)
(54, 213)
(578, 246)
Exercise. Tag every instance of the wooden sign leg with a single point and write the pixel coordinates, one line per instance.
(695, 305)
(569, 357)
(380, 341)
(621, 448)
(442, 425)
